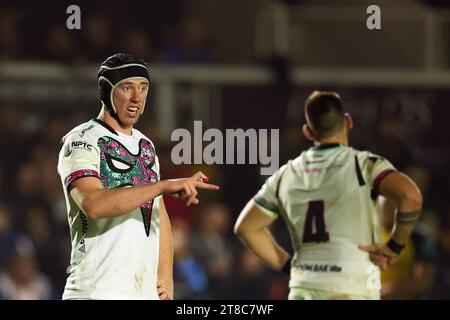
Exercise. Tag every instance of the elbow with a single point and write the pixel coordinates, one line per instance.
(412, 200)
(418, 200)
(89, 199)
(90, 209)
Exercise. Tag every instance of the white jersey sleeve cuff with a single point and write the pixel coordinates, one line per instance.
(266, 211)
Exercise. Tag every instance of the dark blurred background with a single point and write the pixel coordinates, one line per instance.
(232, 64)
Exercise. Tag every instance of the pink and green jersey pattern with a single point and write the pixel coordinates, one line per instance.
(120, 168)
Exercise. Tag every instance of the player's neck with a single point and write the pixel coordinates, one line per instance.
(113, 123)
(339, 138)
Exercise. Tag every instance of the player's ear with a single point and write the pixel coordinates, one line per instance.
(307, 132)
(348, 121)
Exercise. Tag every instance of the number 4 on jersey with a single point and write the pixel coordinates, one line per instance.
(315, 230)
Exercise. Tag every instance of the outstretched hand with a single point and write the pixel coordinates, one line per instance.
(380, 255)
(186, 188)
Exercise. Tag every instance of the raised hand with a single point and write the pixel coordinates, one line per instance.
(186, 188)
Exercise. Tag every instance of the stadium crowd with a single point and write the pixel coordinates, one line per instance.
(209, 261)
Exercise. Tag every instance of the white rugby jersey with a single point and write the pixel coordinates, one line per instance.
(112, 258)
(327, 197)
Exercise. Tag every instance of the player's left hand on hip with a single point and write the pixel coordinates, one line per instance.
(381, 261)
(165, 290)
(380, 255)
(379, 249)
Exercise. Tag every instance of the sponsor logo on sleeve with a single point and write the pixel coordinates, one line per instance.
(76, 145)
(81, 145)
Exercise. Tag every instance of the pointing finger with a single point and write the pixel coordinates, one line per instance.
(203, 185)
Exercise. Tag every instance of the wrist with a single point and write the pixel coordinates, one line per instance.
(395, 246)
(161, 187)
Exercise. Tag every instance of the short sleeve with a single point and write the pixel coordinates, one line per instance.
(267, 197)
(78, 158)
(379, 168)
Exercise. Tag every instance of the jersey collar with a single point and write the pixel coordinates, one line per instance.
(326, 146)
(106, 126)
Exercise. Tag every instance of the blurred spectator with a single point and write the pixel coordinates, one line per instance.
(62, 46)
(185, 106)
(389, 141)
(1, 183)
(191, 46)
(30, 191)
(251, 278)
(176, 209)
(50, 185)
(139, 43)
(11, 138)
(441, 287)
(190, 279)
(279, 288)
(11, 37)
(211, 244)
(27, 186)
(98, 41)
(48, 252)
(22, 280)
(7, 235)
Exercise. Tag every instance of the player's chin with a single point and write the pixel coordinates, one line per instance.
(129, 120)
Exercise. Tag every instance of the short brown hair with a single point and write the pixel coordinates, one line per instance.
(324, 113)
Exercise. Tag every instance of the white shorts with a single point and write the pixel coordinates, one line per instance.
(311, 294)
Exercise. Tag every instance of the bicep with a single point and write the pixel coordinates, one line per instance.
(81, 188)
(253, 218)
(396, 185)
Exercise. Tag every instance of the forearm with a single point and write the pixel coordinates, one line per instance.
(165, 262)
(402, 230)
(110, 203)
(406, 218)
(400, 189)
(263, 244)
